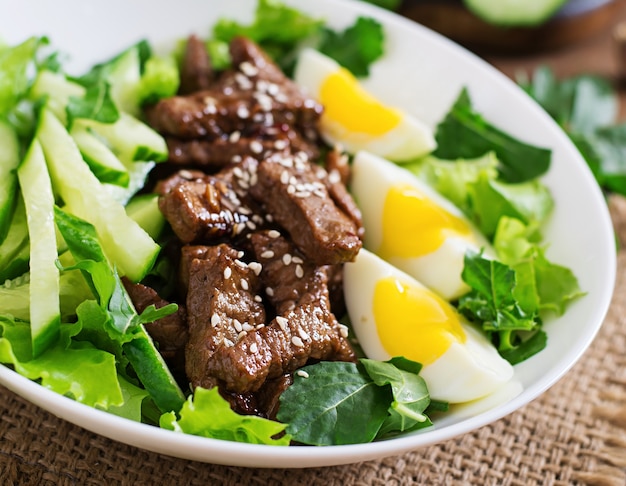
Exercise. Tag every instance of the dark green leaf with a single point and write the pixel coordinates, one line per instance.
(357, 47)
(526, 349)
(335, 404)
(466, 134)
(97, 105)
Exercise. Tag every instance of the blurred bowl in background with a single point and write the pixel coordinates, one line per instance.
(578, 20)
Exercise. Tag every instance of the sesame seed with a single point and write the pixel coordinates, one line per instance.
(291, 189)
(256, 267)
(227, 273)
(284, 177)
(258, 298)
(319, 193)
(303, 334)
(282, 322)
(238, 228)
(237, 324)
(297, 259)
(280, 144)
(240, 254)
(260, 326)
(287, 258)
(253, 179)
(281, 97)
(343, 330)
(250, 225)
(247, 327)
(273, 234)
(269, 291)
(228, 343)
(243, 82)
(256, 147)
(215, 320)
(248, 69)
(296, 341)
(267, 254)
(253, 348)
(257, 219)
(241, 264)
(299, 271)
(269, 218)
(334, 177)
(302, 373)
(244, 284)
(242, 112)
(245, 211)
(236, 159)
(242, 334)
(235, 136)
(185, 174)
(273, 89)
(302, 194)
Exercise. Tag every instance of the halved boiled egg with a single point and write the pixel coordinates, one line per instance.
(392, 314)
(355, 119)
(412, 226)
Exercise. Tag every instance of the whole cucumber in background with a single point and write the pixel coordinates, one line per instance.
(514, 12)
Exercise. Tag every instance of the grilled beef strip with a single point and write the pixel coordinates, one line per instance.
(196, 73)
(254, 92)
(290, 189)
(222, 308)
(304, 327)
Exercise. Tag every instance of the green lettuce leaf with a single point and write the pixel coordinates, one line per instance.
(465, 134)
(76, 369)
(97, 104)
(207, 414)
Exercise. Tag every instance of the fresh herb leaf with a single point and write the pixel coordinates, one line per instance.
(464, 133)
(207, 414)
(348, 403)
(97, 104)
(388, 4)
(160, 79)
(410, 393)
(337, 403)
(357, 47)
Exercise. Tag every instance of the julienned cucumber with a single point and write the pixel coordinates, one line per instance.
(104, 164)
(144, 209)
(15, 250)
(128, 138)
(126, 245)
(9, 160)
(45, 313)
(514, 12)
(154, 373)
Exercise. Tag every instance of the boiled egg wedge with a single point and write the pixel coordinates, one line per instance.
(392, 314)
(412, 226)
(353, 118)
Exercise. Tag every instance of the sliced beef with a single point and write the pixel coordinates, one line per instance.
(207, 208)
(298, 200)
(304, 328)
(255, 92)
(212, 155)
(222, 307)
(170, 332)
(196, 73)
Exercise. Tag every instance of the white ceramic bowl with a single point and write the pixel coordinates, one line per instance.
(421, 72)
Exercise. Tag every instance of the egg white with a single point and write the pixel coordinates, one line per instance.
(408, 140)
(371, 179)
(464, 372)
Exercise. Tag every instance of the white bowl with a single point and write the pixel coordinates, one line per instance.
(421, 72)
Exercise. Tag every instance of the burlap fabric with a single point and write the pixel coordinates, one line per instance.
(573, 434)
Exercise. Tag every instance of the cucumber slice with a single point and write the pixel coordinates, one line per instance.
(126, 245)
(124, 79)
(131, 139)
(154, 373)
(514, 12)
(145, 211)
(103, 163)
(9, 160)
(58, 89)
(45, 312)
(15, 250)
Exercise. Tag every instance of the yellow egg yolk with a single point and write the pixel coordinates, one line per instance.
(414, 225)
(414, 322)
(348, 105)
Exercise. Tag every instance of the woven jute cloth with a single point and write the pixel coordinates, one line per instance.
(575, 433)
